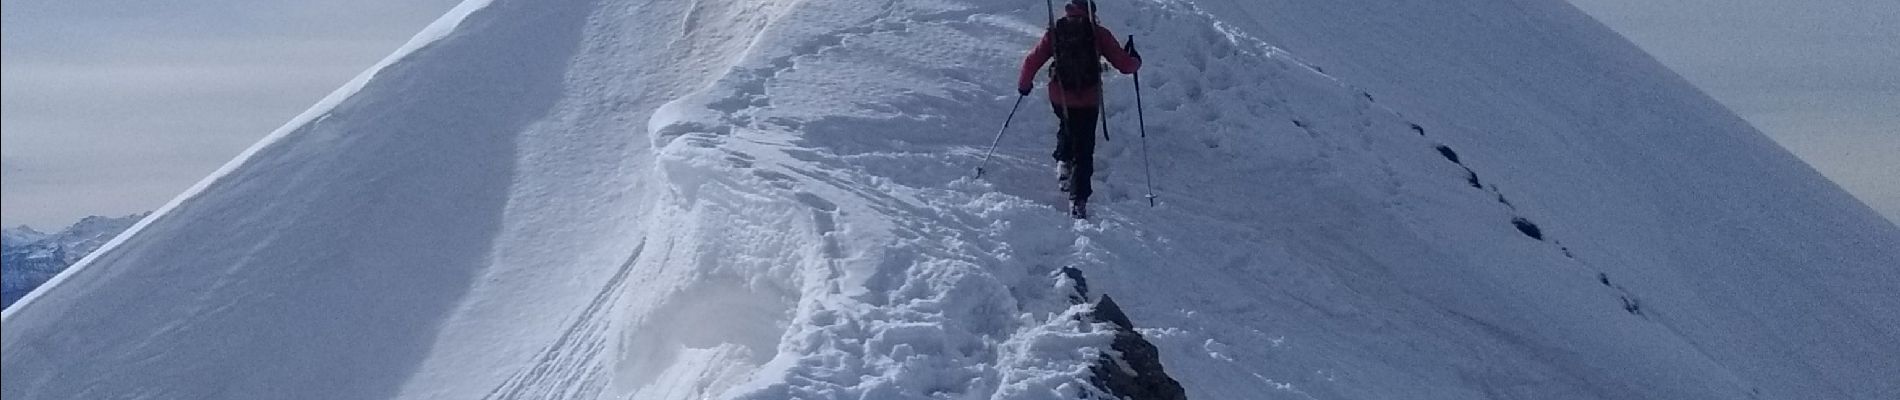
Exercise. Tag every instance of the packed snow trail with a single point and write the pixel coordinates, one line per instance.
(771, 200)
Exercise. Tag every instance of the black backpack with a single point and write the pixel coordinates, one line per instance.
(1077, 64)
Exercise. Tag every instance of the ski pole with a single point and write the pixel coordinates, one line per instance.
(1101, 95)
(999, 135)
(1052, 13)
(1101, 108)
(1142, 120)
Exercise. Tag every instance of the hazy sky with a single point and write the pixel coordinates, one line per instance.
(116, 106)
(180, 87)
(1820, 76)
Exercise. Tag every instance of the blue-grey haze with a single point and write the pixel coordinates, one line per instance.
(115, 106)
(1818, 76)
(109, 107)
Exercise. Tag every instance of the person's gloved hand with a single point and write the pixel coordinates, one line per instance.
(1130, 48)
(1024, 89)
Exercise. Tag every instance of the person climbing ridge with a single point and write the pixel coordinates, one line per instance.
(1077, 44)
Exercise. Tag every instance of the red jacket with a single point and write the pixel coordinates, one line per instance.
(1104, 44)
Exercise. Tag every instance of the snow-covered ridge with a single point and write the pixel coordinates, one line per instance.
(772, 200)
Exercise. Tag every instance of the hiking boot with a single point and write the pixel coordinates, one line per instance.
(1079, 210)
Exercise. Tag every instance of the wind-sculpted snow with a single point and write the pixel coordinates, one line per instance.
(774, 200)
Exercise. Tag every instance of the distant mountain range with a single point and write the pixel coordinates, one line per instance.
(29, 257)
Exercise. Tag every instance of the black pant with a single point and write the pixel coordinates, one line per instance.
(1075, 144)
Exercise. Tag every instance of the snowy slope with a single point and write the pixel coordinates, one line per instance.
(772, 200)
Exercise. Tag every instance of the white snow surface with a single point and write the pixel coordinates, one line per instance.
(773, 199)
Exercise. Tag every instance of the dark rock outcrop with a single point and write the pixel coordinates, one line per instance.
(1131, 368)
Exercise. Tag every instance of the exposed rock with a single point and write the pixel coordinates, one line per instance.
(1131, 369)
(1080, 285)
